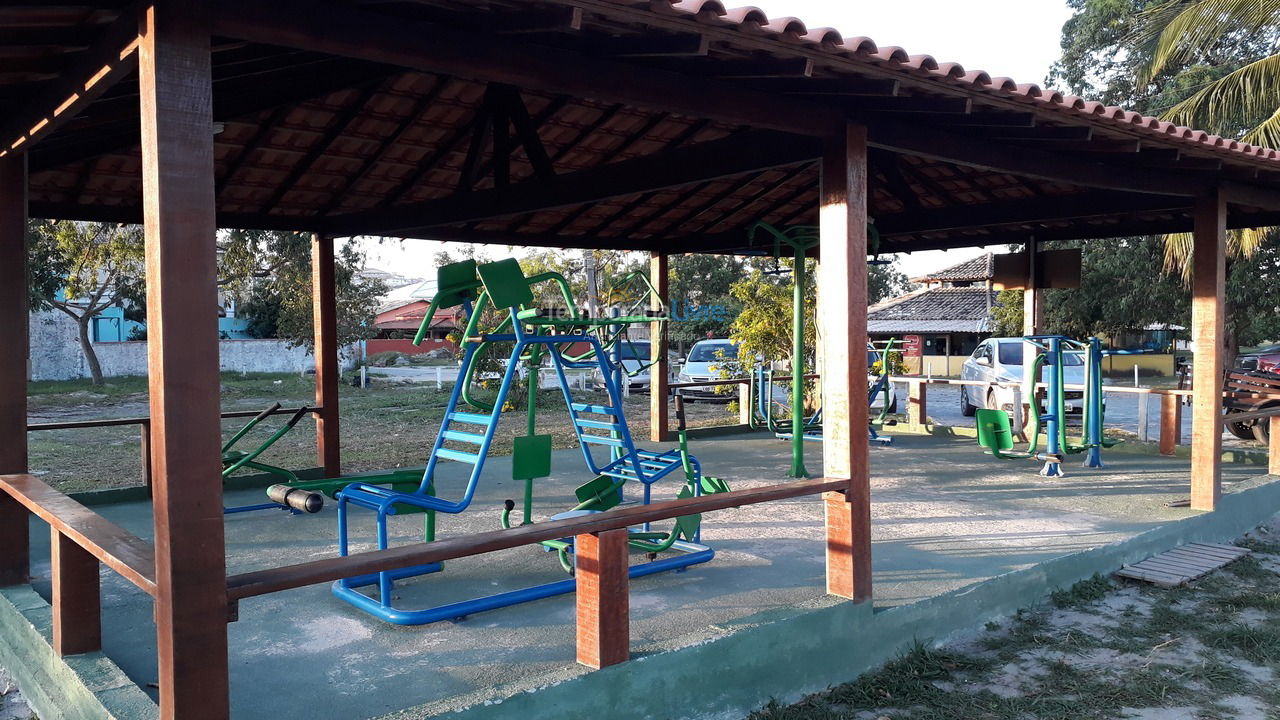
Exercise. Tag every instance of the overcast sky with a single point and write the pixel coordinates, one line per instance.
(1014, 38)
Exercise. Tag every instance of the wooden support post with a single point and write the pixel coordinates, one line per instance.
(660, 373)
(175, 86)
(77, 597)
(1208, 325)
(1273, 445)
(144, 443)
(1031, 295)
(603, 603)
(917, 405)
(842, 303)
(324, 318)
(1170, 423)
(744, 404)
(14, 540)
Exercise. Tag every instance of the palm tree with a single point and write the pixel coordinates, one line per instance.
(1243, 103)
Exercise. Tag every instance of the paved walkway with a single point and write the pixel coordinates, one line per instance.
(945, 516)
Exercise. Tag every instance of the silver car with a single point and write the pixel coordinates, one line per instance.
(999, 360)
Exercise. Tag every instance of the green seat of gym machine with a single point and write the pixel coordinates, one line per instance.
(506, 284)
(456, 283)
(995, 433)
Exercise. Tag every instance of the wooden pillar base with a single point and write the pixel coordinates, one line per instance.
(917, 405)
(1170, 424)
(77, 597)
(848, 547)
(1273, 445)
(603, 604)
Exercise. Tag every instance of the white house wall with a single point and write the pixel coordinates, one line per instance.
(56, 355)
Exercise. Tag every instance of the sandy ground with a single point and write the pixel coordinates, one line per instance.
(1105, 649)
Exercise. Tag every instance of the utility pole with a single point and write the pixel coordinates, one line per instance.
(593, 293)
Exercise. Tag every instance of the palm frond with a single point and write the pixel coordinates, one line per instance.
(1230, 105)
(1266, 134)
(1179, 249)
(1176, 31)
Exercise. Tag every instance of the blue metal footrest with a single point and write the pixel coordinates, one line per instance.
(347, 590)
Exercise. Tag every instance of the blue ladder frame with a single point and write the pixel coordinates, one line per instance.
(629, 463)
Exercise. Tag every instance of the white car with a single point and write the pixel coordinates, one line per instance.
(1000, 360)
(703, 364)
(634, 355)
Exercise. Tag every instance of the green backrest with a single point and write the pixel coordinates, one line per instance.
(506, 284)
(456, 283)
(994, 432)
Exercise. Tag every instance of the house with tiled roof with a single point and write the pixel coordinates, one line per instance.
(943, 319)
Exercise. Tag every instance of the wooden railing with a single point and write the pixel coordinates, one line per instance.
(144, 430)
(79, 540)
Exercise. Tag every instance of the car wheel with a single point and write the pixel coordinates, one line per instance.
(1243, 430)
(992, 403)
(1262, 426)
(966, 409)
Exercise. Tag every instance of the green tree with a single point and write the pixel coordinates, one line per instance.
(82, 269)
(273, 274)
(704, 282)
(885, 281)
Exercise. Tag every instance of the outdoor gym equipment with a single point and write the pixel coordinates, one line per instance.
(801, 239)
(761, 396)
(282, 496)
(995, 433)
(499, 295)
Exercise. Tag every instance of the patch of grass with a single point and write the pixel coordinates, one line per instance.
(1262, 546)
(1255, 600)
(1218, 676)
(1258, 643)
(1082, 593)
(1248, 568)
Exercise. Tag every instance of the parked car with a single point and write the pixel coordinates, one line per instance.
(1000, 360)
(704, 363)
(634, 355)
(1266, 359)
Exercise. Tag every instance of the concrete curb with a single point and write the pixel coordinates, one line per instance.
(795, 654)
(79, 687)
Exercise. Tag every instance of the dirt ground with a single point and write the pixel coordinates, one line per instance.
(1100, 650)
(389, 424)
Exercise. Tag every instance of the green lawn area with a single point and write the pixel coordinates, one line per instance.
(389, 424)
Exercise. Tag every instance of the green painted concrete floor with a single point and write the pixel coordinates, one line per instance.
(945, 516)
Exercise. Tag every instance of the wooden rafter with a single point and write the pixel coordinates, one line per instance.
(112, 57)
(703, 161)
(341, 122)
(396, 135)
(337, 28)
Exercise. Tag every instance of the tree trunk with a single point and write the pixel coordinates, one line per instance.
(95, 369)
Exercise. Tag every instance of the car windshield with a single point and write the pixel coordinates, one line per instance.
(634, 351)
(711, 352)
(1011, 354)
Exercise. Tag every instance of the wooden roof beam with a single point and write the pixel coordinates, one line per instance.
(838, 87)
(704, 161)
(657, 45)
(913, 104)
(338, 28)
(760, 69)
(1046, 209)
(113, 56)
(551, 19)
(1029, 162)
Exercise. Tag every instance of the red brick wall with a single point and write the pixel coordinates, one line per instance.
(407, 347)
